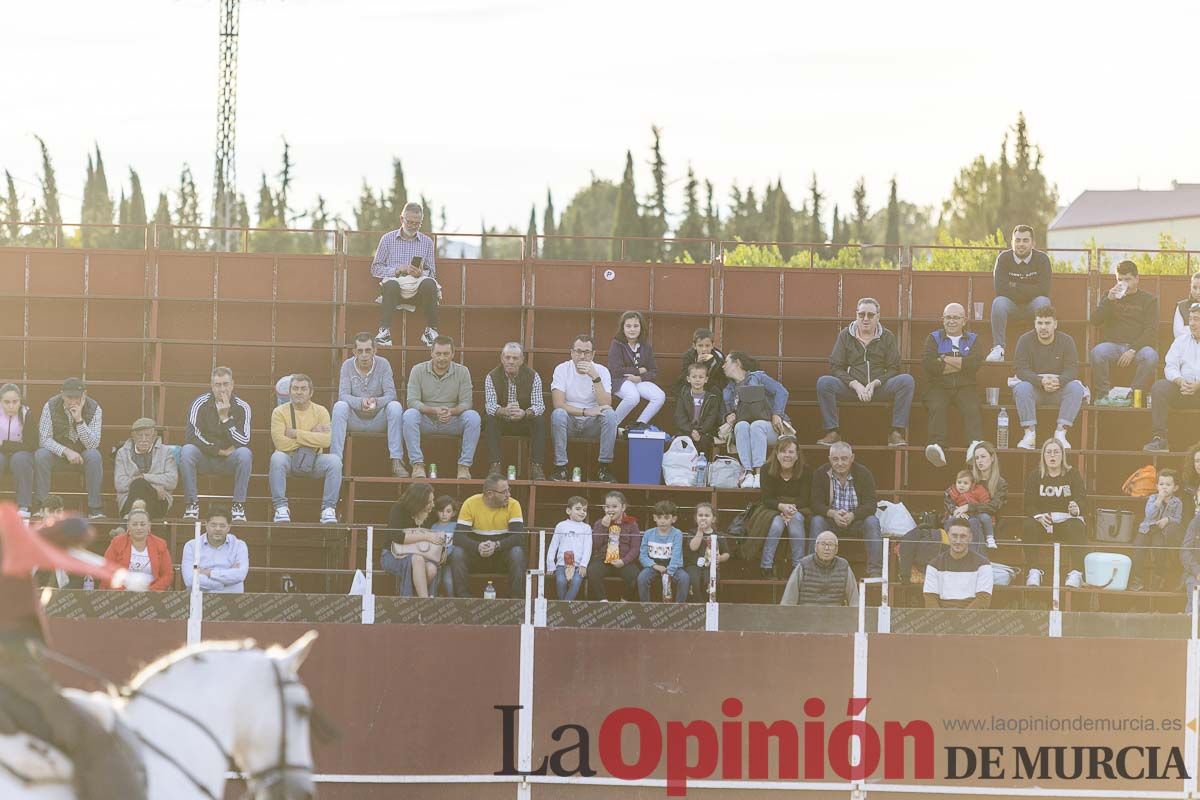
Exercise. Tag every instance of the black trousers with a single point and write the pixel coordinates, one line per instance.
(1159, 547)
(597, 572)
(938, 401)
(141, 489)
(1072, 534)
(426, 300)
(532, 427)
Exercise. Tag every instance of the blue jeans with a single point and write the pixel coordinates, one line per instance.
(387, 420)
(193, 462)
(868, 529)
(795, 531)
(899, 388)
(1027, 397)
(21, 464)
(1103, 356)
(465, 425)
(567, 590)
(1003, 308)
(752, 439)
(328, 467)
(564, 427)
(92, 468)
(681, 580)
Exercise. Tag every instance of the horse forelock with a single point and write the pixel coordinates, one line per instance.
(187, 654)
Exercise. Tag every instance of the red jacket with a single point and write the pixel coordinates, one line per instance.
(160, 559)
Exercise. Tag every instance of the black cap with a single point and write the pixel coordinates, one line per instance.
(74, 387)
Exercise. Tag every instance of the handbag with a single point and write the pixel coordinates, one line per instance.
(752, 404)
(724, 472)
(303, 459)
(429, 551)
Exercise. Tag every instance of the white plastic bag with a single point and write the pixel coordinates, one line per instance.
(359, 585)
(679, 462)
(894, 519)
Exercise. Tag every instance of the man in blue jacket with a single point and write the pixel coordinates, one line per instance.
(865, 364)
(951, 359)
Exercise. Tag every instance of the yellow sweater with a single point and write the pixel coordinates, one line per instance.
(306, 420)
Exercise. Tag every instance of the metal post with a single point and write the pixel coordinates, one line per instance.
(1055, 610)
(884, 623)
(539, 605)
(368, 598)
(1191, 738)
(711, 610)
(196, 601)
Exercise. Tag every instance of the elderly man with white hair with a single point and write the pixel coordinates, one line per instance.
(822, 578)
(951, 359)
(514, 406)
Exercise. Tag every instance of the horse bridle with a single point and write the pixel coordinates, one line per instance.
(255, 781)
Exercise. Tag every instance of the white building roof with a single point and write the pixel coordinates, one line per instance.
(1096, 208)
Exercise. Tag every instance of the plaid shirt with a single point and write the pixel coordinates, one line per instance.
(491, 403)
(395, 253)
(844, 497)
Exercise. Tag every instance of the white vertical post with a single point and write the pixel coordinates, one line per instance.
(1055, 609)
(368, 598)
(884, 620)
(539, 605)
(860, 681)
(1191, 741)
(711, 610)
(196, 601)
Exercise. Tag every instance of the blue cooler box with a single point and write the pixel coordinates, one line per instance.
(646, 448)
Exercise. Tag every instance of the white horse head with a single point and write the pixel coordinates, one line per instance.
(198, 713)
(232, 703)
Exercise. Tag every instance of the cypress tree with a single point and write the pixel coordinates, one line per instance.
(893, 222)
(50, 212)
(815, 232)
(532, 233)
(241, 212)
(835, 231)
(483, 243)
(785, 233)
(397, 197)
(861, 211)
(655, 224)
(285, 185)
(266, 204)
(692, 225)
(627, 222)
(712, 220)
(550, 246)
(12, 208)
(162, 219)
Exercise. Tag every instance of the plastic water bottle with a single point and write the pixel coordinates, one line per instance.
(1002, 429)
(89, 584)
(701, 469)
(489, 591)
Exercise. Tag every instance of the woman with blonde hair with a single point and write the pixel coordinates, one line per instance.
(1054, 503)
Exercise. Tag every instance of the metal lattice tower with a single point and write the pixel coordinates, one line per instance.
(225, 172)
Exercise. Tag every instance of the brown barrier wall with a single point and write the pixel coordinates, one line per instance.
(418, 699)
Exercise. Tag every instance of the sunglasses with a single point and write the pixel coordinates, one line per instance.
(867, 314)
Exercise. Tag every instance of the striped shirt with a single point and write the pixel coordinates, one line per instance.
(491, 402)
(86, 434)
(956, 581)
(395, 253)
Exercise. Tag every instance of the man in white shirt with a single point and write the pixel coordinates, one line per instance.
(582, 392)
(224, 559)
(1181, 386)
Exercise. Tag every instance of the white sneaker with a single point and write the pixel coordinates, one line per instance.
(1034, 578)
(329, 516)
(971, 450)
(1028, 441)
(1061, 435)
(193, 511)
(935, 455)
(23, 512)
(747, 481)
(429, 335)
(282, 514)
(758, 480)
(991, 542)
(1074, 579)
(997, 354)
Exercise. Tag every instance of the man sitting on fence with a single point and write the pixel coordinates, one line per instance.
(404, 265)
(514, 405)
(958, 577)
(1022, 277)
(218, 439)
(367, 402)
(822, 578)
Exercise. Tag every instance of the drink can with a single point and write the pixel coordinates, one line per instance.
(1146, 400)
(577, 475)
(512, 472)
(1137, 398)
(433, 471)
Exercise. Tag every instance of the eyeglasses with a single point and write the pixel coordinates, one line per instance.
(867, 315)
(502, 494)
(579, 352)
(952, 317)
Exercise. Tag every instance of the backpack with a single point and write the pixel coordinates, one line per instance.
(1142, 483)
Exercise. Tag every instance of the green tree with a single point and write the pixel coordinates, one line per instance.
(628, 221)
(321, 219)
(784, 220)
(692, 225)
(49, 213)
(132, 234)
(862, 212)
(483, 240)
(654, 222)
(816, 233)
(12, 209)
(550, 245)
(396, 199)
(187, 212)
(531, 233)
(835, 232)
(892, 238)
(591, 212)
(712, 214)
(162, 220)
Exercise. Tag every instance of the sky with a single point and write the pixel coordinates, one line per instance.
(489, 104)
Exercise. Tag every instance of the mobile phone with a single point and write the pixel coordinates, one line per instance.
(417, 261)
